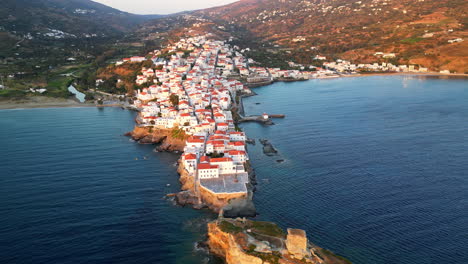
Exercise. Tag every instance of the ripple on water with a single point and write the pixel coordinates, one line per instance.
(377, 166)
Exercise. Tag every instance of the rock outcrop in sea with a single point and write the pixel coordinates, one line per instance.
(268, 148)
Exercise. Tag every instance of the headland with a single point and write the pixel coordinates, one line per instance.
(195, 110)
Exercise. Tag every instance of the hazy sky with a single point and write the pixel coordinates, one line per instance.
(161, 6)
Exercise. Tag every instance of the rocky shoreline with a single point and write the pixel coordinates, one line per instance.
(162, 137)
(228, 205)
(242, 241)
(191, 193)
(244, 246)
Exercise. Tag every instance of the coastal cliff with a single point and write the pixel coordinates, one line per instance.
(231, 205)
(241, 241)
(169, 139)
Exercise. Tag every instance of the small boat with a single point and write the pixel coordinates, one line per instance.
(168, 185)
(136, 158)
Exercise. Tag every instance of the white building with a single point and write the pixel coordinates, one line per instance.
(225, 165)
(207, 171)
(237, 136)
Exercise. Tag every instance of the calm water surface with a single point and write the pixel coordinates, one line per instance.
(72, 191)
(375, 169)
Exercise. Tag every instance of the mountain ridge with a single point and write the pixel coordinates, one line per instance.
(72, 16)
(418, 32)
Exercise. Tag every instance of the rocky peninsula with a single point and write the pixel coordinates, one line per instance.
(242, 241)
(192, 193)
(227, 205)
(195, 110)
(168, 139)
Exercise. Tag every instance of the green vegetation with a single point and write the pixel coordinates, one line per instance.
(215, 155)
(272, 258)
(178, 133)
(12, 94)
(166, 55)
(267, 228)
(59, 82)
(274, 60)
(228, 227)
(411, 40)
(251, 248)
(235, 115)
(174, 98)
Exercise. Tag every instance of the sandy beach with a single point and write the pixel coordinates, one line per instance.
(41, 102)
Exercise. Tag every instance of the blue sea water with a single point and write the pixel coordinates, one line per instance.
(375, 169)
(74, 190)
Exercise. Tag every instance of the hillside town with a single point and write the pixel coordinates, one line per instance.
(194, 87)
(191, 94)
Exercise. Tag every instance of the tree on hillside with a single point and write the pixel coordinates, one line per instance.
(147, 64)
(174, 98)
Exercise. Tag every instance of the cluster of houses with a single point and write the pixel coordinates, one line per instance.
(189, 91)
(346, 66)
(277, 73)
(455, 40)
(261, 74)
(130, 60)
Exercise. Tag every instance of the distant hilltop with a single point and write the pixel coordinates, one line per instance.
(426, 33)
(64, 19)
(431, 33)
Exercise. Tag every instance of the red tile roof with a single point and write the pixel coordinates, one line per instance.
(190, 156)
(195, 140)
(221, 160)
(236, 152)
(206, 166)
(205, 159)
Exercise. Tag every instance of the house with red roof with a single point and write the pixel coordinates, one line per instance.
(183, 104)
(226, 165)
(137, 59)
(196, 142)
(207, 171)
(222, 126)
(217, 146)
(238, 156)
(236, 145)
(237, 136)
(219, 117)
(190, 162)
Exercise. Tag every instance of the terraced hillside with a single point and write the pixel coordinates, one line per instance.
(425, 32)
